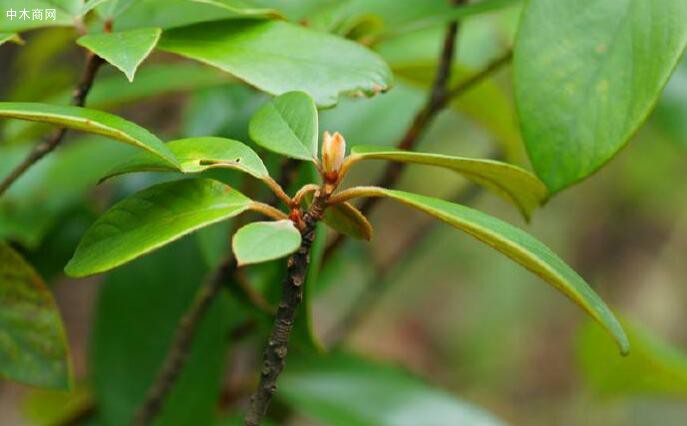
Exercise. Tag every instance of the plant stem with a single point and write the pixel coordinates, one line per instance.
(292, 295)
(181, 345)
(435, 102)
(188, 325)
(268, 210)
(93, 63)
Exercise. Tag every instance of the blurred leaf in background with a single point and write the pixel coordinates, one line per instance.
(346, 390)
(653, 368)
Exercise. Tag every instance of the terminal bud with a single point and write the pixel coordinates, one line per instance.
(333, 154)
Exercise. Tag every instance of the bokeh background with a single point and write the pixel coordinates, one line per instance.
(445, 307)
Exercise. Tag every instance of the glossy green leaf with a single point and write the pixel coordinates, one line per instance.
(513, 183)
(73, 7)
(196, 155)
(280, 57)
(260, 242)
(653, 368)
(125, 50)
(13, 37)
(114, 90)
(89, 5)
(344, 390)
(33, 345)
(10, 24)
(341, 17)
(519, 246)
(151, 219)
(110, 9)
(91, 121)
(585, 82)
(138, 310)
(346, 219)
(242, 7)
(287, 125)
(168, 14)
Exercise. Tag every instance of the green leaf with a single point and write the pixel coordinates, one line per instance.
(654, 368)
(169, 14)
(125, 50)
(89, 5)
(91, 121)
(346, 219)
(55, 407)
(137, 313)
(242, 7)
(13, 37)
(110, 9)
(512, 183)
(519, 246)
(391, 21)
(151, 219)
(343, 390)
(10, 25)
(33, 345)
(196, 155)
(260, 242)
(279, 57)
(287, 125)
(114, 90)
(585, 82)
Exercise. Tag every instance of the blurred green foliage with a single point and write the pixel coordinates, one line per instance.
(454, 313)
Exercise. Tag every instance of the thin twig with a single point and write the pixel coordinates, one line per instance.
(292, 295)
(93, 63)
(393, 170)
(250, 295)
(181, 345)
(278, 191)
(478, 77)
(435, 102)
(268, 210)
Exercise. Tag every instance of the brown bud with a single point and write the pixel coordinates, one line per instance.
(333, 154)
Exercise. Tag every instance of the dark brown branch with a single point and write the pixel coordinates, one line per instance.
(181, 345)
(435, 102)
(93, 63)
(477, 78)
(292, 295)
(376, 287)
